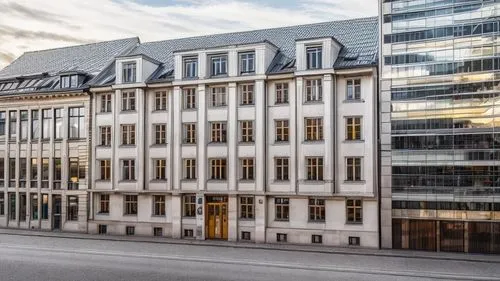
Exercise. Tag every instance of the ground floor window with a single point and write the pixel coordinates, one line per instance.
(72, 208)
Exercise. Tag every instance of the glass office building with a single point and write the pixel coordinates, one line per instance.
(440, 125)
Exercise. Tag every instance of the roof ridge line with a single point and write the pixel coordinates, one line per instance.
(81, 45)
(263, 29)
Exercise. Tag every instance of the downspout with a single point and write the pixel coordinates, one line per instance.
(90, 195)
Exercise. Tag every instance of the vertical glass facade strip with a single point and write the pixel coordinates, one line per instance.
(440, 68)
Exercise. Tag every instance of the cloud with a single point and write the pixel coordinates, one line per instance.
(58, 23)
(18, 34)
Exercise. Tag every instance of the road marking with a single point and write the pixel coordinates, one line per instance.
(401, 273)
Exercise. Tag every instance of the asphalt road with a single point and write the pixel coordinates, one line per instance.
(26, 258)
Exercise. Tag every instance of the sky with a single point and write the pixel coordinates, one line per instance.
(29, 25)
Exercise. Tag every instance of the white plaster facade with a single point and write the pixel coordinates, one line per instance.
(333, 108)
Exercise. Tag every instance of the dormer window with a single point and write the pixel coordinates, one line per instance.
(69, 81)
(129, 72)
(219, 65)
(314, 57)
(190, 67)
(247, 62)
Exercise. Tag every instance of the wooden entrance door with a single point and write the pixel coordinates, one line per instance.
(216, 218)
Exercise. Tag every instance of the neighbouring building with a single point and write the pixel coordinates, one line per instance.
(266, 136)
(440, 125)
(44, 135)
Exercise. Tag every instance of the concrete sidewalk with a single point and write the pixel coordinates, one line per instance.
(249, 245)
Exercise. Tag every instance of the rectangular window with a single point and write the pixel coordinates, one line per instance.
(190, 169)
(247, 94)
(12, 172)
(158, 205)
(219, 65)
(105, 166)
(128, 170)
(218, 169)
(105, 132)
(2, 123)
(106, 103)
(23, 172)
(314, 129)
(316, 210)
(74, 173)
(190, 67)
(22, 206)
(2, 172)
(128, 101)
(281, 168)
(129, 72)
(24, 125)
(218, 132)
(189, 98)
(130, 230)
(34, 172)
(353, 89)
(128, 134)
(12, 125)
(247, 62)
(161, 100)
(188, 233)
(353, 128)
(189, 205)
(282, 208)
(103, 229)
(35, 125)
(77, 123)
(314, 90)
(46, 120)
(247, 169)
(189, 134)
(69, 81)
(246, 129)
(314, 57)
(246, 235)
(2, 204)
(314, 168)
(73, 81)
(246, 207)
(218, 97)
(157, 231)
(130, 205)
(58, 123)
(281, 127)
(160, 133)
(281, 96)
(45, 206)
(317, 239)
(12, 206)
(160, 169)
(354, 211)
(281, 237)
(57, 173)
(354, 240)
(34, 206)
(72, 208)
(104, 204)
(45, 173)
(353, 167)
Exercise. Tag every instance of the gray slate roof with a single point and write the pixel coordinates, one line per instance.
(90, 58)
(359, 37)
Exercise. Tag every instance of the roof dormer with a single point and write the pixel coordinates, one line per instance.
(316, 53)
(70, 80)
(134, 69)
